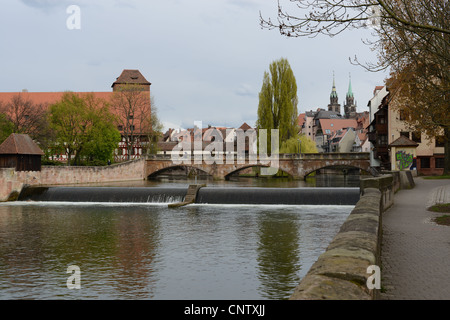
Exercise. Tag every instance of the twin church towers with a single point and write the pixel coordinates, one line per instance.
(349, 106)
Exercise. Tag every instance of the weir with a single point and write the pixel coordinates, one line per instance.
(103, 194)
(281, 196)
(205, 195)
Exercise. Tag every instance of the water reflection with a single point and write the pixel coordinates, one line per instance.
(112, 249)
(152, 252)
(278, 253)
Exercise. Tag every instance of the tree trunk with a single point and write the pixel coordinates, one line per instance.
(446, 151)
(77, 156)
(129, 146)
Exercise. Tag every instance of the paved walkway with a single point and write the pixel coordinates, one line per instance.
(415, 251)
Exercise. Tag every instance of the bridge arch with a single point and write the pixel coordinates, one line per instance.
(336, 167)
(229, 174)
(189, 168)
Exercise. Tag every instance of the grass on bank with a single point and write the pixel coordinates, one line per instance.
(437, 177)
(442, 208)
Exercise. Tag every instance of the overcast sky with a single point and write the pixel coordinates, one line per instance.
(204, 58)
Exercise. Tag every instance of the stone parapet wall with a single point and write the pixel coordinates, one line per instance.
(341, 272)
(56, 175)
(12, 182)
(386, 184)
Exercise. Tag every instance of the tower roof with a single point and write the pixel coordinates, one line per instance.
(350, 91)
(129, 76)
(333, 90)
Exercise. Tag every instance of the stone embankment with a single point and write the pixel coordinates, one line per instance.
(342, 271)
(12, 181)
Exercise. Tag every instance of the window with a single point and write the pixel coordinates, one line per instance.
(425, 163)
(439, 163)
(327, 131)
(417, 137)
(405, 134)
(120, 128)
(382, 139)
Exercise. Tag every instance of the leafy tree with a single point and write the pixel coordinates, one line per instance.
(419, 84)
(155, 131)
(83, 126)
(278, 100)
(104, 138)
(298, 144)
(6, 127)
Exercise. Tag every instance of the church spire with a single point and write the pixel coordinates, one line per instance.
(350, 107)
(334, 104)
(350, 91)
(333, 90)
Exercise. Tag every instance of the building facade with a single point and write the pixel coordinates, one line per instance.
(133, 117)
(389, 133)
(210, 140)
(430, 150)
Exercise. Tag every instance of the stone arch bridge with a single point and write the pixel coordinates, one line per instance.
(297, 166)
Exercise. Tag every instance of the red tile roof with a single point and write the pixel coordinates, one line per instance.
(301, 119)
(47, 97)
(362, 136)
(337, 124)
(245, 126)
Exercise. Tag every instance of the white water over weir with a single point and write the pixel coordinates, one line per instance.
(205, 195)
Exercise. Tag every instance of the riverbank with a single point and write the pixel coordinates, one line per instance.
(342, 272)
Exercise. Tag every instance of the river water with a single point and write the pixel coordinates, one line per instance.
(148, 251)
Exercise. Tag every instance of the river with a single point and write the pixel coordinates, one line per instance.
(148, 251)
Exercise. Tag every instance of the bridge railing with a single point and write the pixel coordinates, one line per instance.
(293, 156)
(337, 155)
